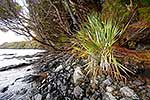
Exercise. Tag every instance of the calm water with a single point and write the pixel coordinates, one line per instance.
(10, 57)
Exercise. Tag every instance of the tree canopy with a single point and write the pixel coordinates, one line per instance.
(53, 22)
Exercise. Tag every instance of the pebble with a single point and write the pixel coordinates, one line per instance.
(107, 82)
(78, 92)
(77, 74)
(138, 82)
(68, 98)
(109, 89)
(60, 67)
(48, 96)
(108, 96)
(67, 68)
(129, 92)
(85, 98)
(126, 98)
(38, 97)
(148, 93)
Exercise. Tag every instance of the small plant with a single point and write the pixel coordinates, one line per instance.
(97, 38)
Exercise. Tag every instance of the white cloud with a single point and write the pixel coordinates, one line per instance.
(10, 37)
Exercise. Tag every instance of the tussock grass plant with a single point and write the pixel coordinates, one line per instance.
(96, 39)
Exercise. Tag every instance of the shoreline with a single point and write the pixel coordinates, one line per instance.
(55, 79)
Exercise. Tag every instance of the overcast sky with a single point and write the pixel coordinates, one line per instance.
(10, 37)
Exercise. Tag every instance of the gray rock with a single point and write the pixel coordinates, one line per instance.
(60, 67)
(126, 98)
(38, 97)
(141, 87)
(121, 83)
(78, 92)
(69, 91)
(99, 99)
(6, 96)
(48, 97)
(101, 78)
(108, 96)
(109, 89)
(59, 83)
(95, 96)
(85, 98)
(67, 68)
(107, 82)
(4, 89)
(138, 82)
(22, 91)
(129, 93)
(77, 74)
(49, 87)
(63, 89)
(68, 98)
(148, 93)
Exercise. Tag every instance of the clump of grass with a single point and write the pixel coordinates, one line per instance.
(97, 38)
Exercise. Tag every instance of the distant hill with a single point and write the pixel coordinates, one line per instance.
(20, 45)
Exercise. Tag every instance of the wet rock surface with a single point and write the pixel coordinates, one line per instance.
(17, 81)
(55, 80)
(14, 66)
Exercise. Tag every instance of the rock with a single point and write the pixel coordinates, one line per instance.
(67, 68)
(138, 82)
(48, 97)
(107, 82)
(109, 89)
(101, 78)
(69, 91)
(78, 92)
(148, 93)
(68, 98)
(108, 96)
(28, 69)
(141, 87)
(99, 99)
(28, 78)
(4, 89)
(77, 74)
(95, 96)
(44, 68)
(22, 91)
(126, 98)
(38, 97)
(60, 67)
(6, 96)
(59, 83)
(49, 87)
(121, 84)
(63, 89)
(129, 93)
(85, 98)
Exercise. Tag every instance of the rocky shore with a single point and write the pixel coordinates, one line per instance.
(60, 77)
(65, 81)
